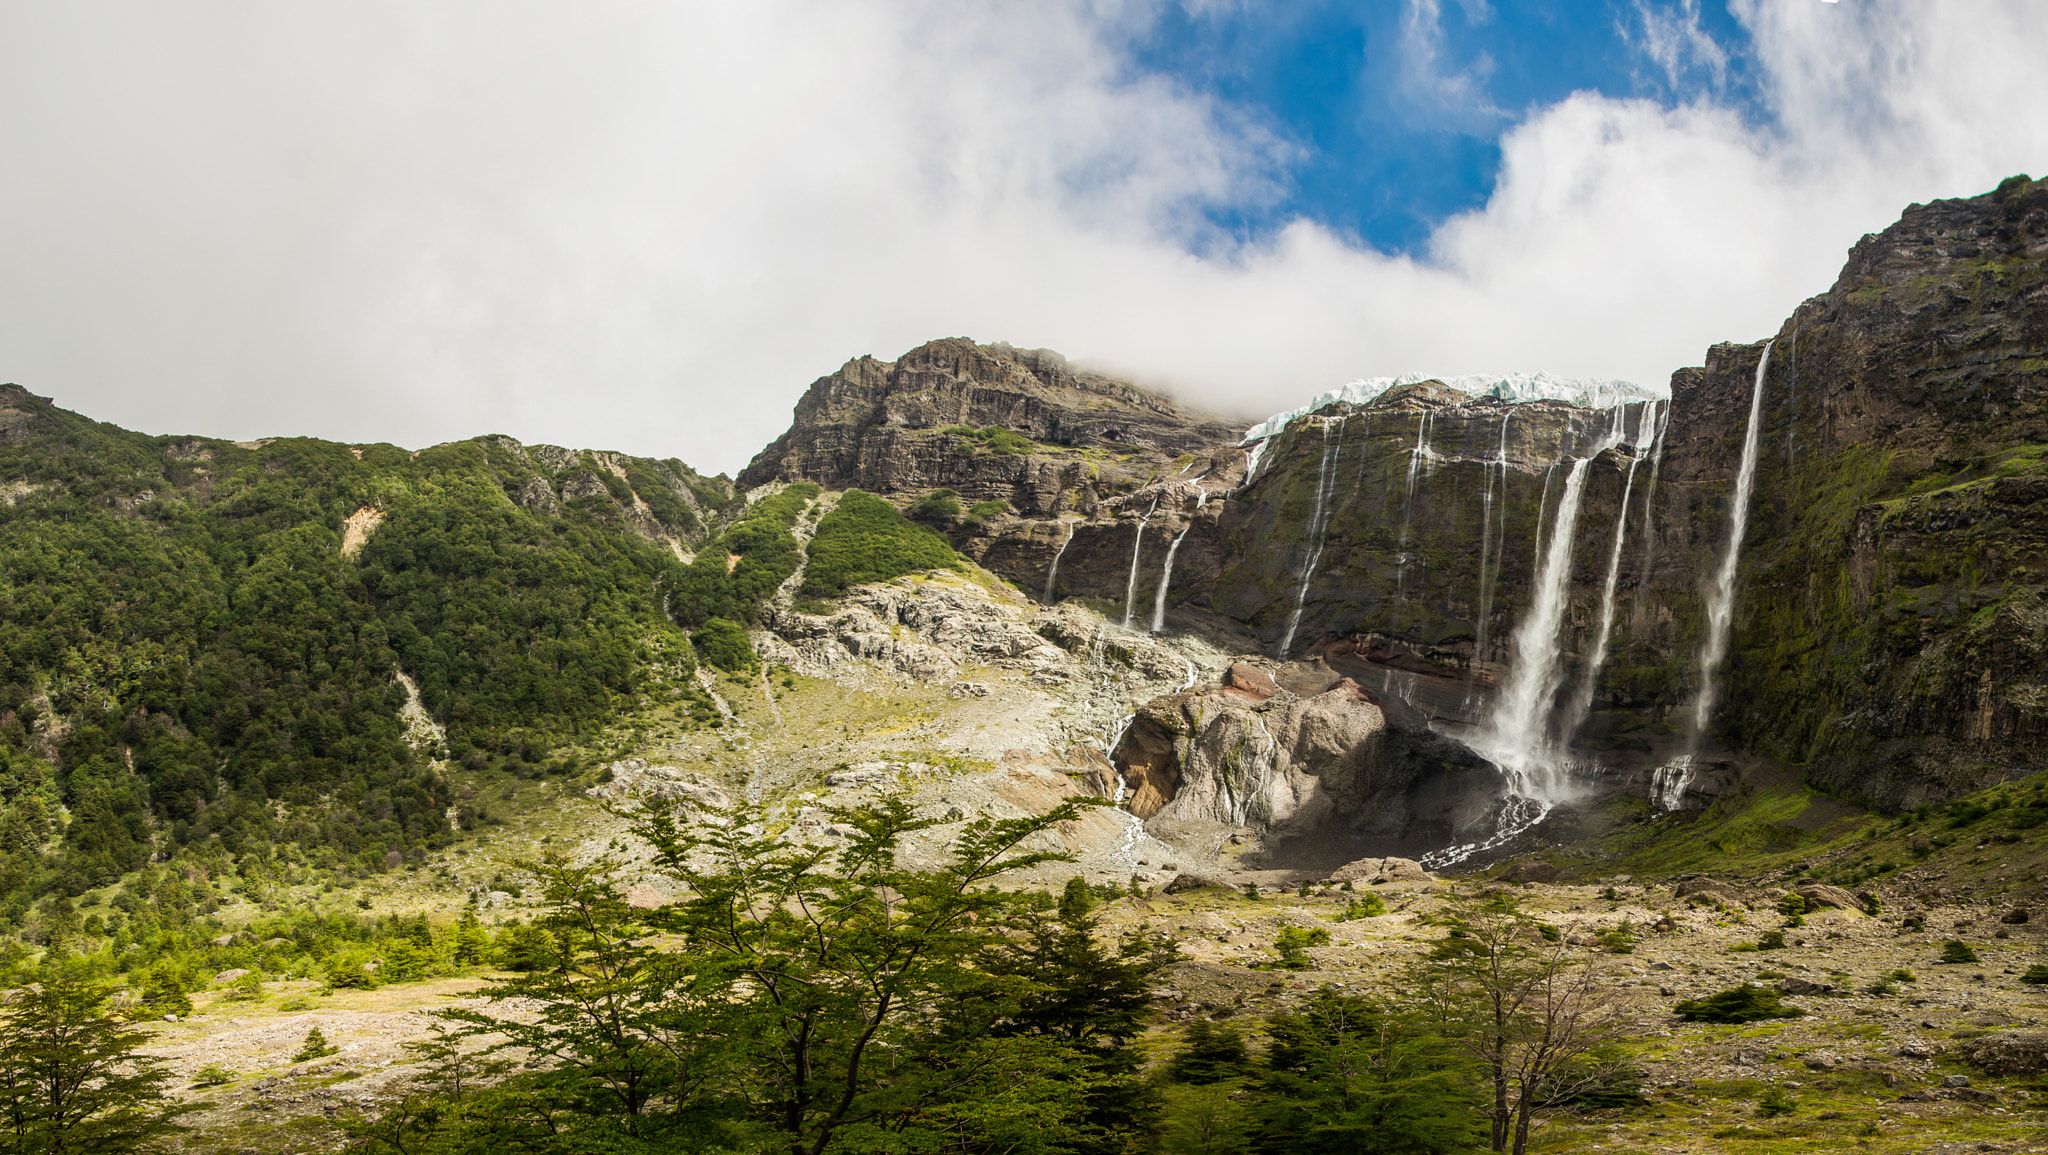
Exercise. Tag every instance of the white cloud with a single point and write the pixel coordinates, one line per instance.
(1675, 40)
(650, 226)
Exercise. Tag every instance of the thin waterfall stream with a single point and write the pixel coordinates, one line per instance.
(1721, 597)
(1487, 577)
(1137, 544)
(1582, 700)
(1166, 574)
(1054, 572)
(1318, 524)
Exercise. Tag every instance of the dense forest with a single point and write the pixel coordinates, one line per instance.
(203, 641)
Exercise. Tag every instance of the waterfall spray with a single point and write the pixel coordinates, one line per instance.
(1721, 598)
(1055, 570)
(1318, 522)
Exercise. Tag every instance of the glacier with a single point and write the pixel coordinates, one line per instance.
(1592, 393)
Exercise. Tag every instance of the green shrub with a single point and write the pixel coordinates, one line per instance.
(1775, 1102)
(1621, 939)
(940, 505)
(2036, 974)
(212, 1075)
(1957, 951)
(316, 1046)
(1771, 940)
(1370, 906)
(864, 539)
(1293, 943)
(1747, 1003)
(724, 645)
(987, 511)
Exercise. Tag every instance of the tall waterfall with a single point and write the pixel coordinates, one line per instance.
(1137, 543)
(1582, 699)
(1055, 570)
(1517, 738)
(1487, 577)
(1318, 522)
(1721, 598)
(1663, 412)
(1166, 574)
(1416, 457)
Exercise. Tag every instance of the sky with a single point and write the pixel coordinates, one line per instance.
(650, 226)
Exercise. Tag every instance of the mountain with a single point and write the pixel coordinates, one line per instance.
(272, 642)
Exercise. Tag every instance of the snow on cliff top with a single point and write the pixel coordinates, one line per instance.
(1510, 387)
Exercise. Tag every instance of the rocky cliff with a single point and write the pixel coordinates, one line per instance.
(1887, 635)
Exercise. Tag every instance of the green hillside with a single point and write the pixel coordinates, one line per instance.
(185, 645)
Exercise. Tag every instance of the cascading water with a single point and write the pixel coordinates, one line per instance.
(1131, 584)
(1318, 523)
(1166, 574)
(1055, 570)
(1669, 782)
(1517, 737)
(1582, 700)
(1663, 420)
(1721, 597)
(1487, 576)
(1416, 457)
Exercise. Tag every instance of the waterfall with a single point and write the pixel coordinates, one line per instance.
(1486, 577)
(1137, 543)
(1721, 598)
(1669, 782)
(1517, 737)
(1317, 523)
(1166, 575)
(1416, 456)
(1251, 460)
(1055, 570)
(1582, 700)
(1663, 419)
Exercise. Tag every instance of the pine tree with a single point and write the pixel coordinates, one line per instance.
(472, 944)
(316, 1046)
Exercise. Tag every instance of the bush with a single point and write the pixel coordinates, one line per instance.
(1771, 940)
(723, 645)
(1774, 1102)
(2036, 974)
(987, 511)
(212, 1075)
(316, 1046)
(864, 539)
(1747, 1003)
(1210, 1053)
(940, 505)
(1371, 906)
(1293, 943)
(1957, 951)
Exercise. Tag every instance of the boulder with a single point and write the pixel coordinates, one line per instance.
(1380, 871)
(1818, 895)
(1799, 986)
(1183, 882)
(1712, 888)
(1249, 679)
(1532, 872)
(2008, 1052)
(230, 976)
(2014, 917)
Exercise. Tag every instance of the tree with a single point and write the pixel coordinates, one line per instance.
(1349, 1076)
(472, 944)
(1209, 1053)
(315, 1046)
(804, 999)
(1531, 1012)
(71, 1077)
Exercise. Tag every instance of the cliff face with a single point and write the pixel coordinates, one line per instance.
(1889, 612)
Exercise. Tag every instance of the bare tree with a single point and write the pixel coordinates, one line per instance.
(1531, 1010)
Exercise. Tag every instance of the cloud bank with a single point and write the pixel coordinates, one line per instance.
(648, 227)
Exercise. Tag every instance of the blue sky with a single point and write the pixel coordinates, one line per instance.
(649, 226)
(1396, 118)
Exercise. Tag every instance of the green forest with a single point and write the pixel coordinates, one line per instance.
(189, 659)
